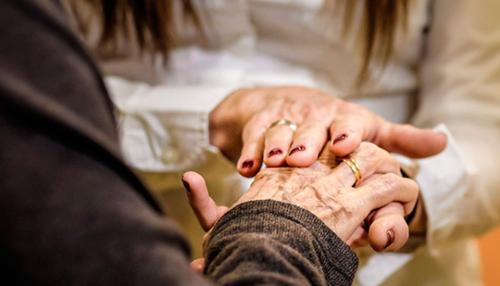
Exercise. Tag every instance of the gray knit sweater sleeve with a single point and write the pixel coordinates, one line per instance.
(274, 243)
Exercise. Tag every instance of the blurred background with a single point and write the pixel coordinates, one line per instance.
(490, 253)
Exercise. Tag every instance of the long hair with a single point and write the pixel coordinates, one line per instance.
(151, 23)
(381, 20)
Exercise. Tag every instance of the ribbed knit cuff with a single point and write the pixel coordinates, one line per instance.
(262, 216)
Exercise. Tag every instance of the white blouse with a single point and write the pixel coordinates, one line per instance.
(445, 70)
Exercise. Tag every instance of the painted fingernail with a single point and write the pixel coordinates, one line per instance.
(390, 238)
(275, 151)
(339, 138)
(298, 148)
(365, 225)
(368, 220)
(186, 185)
(247, 164)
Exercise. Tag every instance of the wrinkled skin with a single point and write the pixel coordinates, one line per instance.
(325, 189)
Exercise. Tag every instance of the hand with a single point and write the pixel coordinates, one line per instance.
(239, 127)
(328, 193)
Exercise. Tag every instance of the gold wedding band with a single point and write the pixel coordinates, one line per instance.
(289, 123)
(356, 170)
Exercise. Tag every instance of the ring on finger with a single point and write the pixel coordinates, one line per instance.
(356, 170)
(289, 123)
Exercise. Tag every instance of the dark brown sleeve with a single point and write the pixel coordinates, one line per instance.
(71, 213)
(274, 243)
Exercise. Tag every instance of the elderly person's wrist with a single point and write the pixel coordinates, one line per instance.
(280, 223)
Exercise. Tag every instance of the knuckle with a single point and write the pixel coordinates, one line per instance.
(393, 162)
(259, 118)
(309, 110)
(412, 186)
(349, 106)
(389, 182)
(368, 149)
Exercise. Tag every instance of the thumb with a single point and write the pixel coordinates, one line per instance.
(197, 265)
(411, 141)
(204, 207)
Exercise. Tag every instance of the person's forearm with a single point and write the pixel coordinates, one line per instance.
(466, 197)
(280, 244)
(165, 127)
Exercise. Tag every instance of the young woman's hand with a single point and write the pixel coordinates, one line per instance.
(240, 128)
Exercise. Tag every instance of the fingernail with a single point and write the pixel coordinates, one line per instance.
(275, 151)
(339, 138)
(186, 185)
(365, 225)
(442, 133)
(368, 220)
(247, 164)
(298, 148)
(390, 238)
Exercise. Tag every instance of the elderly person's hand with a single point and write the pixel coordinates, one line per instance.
(240, 128)
(326, 190)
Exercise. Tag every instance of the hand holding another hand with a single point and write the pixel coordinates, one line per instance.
(325, 189)
(240, 128)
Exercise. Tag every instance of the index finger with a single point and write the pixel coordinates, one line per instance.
(204, 207)
(386, 189)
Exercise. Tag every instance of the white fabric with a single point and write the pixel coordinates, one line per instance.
(452, 72)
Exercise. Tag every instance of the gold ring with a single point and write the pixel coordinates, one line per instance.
(289, 123)
(356, 170)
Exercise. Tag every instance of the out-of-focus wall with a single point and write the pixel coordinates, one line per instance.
(490, 256)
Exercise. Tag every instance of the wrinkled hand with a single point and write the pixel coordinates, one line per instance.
(328, 194)
(239, 127)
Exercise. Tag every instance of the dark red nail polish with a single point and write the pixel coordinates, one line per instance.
(339, 137)
(247, 164)
(390, 238)
(365, 225)
(275, 151)
(186, 185)
(368, 220)
(298, 148)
